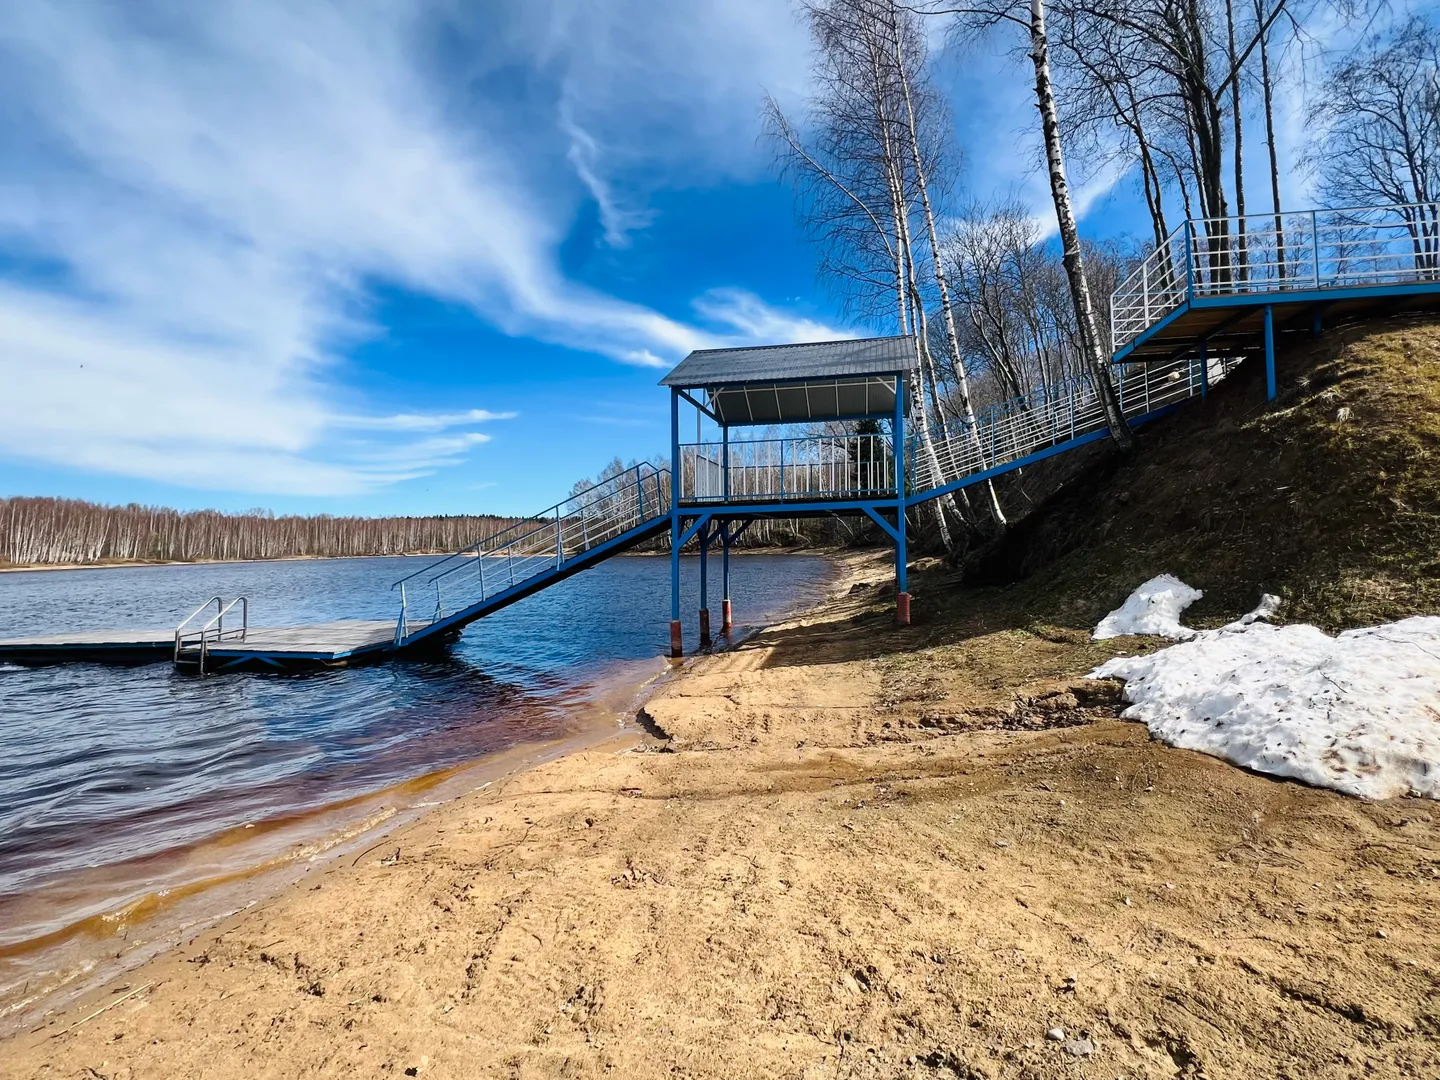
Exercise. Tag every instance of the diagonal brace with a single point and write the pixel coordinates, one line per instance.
(874, 515)
(699, 523)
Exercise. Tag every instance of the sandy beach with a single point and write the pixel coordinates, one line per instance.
(839, 849)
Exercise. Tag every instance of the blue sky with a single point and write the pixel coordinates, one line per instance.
(403, 257)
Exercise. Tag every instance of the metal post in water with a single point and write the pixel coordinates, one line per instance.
(676, 634)
(725, 622)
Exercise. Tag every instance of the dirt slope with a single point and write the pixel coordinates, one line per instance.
(1330, 498)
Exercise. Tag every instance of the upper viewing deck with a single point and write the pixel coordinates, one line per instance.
(1212, 280)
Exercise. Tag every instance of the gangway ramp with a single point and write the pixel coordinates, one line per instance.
(606, 519)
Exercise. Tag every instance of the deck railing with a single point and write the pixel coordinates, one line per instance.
(1267, 253)
(861, 466)
(532, 547)
(787, 470)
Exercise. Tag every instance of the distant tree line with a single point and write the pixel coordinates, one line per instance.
(57, 532)
(72, 532)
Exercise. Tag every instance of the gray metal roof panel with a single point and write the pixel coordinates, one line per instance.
(793, 363)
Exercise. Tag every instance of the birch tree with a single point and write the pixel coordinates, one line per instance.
(865, 170)
(1031, 19)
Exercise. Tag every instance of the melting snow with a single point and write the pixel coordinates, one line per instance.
(1359, 713)
(1153, 608)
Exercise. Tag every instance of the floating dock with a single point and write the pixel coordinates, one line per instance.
(344, 643)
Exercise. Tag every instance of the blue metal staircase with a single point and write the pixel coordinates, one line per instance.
(533, 554)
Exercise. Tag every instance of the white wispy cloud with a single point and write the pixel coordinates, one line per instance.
(198, 200)
(420, 421)
(748, 318)
(584, 154)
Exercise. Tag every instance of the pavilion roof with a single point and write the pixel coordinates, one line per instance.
(781, 384)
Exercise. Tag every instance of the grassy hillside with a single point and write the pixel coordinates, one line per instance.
(1330, 496)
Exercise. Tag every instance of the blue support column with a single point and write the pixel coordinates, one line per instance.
(725, 619)
(725, 614)
(706, 535)
(1204, 368)
(1269, 352)
(897, 434)
(676, 636)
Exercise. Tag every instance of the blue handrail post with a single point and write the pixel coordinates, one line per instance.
(676, 636)
(725, 465)
(1315, 245)
(902, 596)
(1269, 352)
(1204, 367)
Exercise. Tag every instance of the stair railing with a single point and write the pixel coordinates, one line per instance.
(181, 636)
(214, 628)
(539, 544)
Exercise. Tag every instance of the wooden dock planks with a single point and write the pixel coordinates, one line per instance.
(327, 644)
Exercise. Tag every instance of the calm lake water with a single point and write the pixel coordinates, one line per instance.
(106, 772)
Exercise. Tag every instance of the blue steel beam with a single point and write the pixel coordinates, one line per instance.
(1269, 352)
(874, 515)
(1278, 298)
(699, 523)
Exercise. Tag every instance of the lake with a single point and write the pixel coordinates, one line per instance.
(124, 790)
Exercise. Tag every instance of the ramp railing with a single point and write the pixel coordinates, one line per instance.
(535, 547)
(1050, 416)
(863, 466)
(1308, 250)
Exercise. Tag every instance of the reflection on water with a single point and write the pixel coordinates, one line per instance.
(107, 774)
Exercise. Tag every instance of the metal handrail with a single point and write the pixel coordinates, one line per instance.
(1338, 247)
(1020, 427)
(214, 628)
(537, 522)
(538, 544)
(819, 466)
(219, 603)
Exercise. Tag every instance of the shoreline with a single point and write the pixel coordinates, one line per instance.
(836, 849)
(817, 552)
(159, 918)
(197, 886)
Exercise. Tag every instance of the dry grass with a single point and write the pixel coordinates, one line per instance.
(1331, 498)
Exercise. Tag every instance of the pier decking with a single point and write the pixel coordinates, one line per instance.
(342, 643)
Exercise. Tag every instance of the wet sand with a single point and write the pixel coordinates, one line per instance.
(58, 941)
(840, 849)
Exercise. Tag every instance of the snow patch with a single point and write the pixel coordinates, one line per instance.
(1267, 609)
(1153, 608)
(1359, 713)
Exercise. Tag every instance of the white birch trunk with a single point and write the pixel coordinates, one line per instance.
(966, 405)
(1069, 234)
